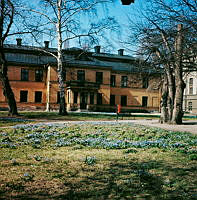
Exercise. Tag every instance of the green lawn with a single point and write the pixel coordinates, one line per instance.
(96, 161)
(33, 117)
(27, 117)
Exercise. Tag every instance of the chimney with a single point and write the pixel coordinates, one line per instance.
(97, 49)
(46, 44)
(18, 41)
(120, 52)
(127, 2)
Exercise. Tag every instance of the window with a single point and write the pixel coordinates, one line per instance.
(75, 97)
(145, 82)
(92, 98)
(190, 106)
(58, 97)
(99, 98)
(123, 100)
(112, 100)
(124, 80)
(23, 96)
(99, 77)
(38, 97)
(81, 75)
(24, 74)
(144, 101)
(64, 75)
(191, 86)
(39, 75)
(191, 81)
(190, 90)
(113, 80)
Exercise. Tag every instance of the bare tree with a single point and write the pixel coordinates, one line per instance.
(6, 21)
(166, 38)
(60, 22)
(11, 24)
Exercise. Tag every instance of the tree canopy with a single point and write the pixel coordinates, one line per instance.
(166, 37)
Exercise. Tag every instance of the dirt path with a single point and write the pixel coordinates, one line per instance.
(187, 126)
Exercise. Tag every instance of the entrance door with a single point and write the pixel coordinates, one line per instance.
(83, 100)
(144, 101)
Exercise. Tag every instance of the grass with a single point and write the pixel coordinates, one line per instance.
(27, 117)
(33, 117)
(96, 161)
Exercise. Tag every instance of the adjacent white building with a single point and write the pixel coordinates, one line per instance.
(190, 93)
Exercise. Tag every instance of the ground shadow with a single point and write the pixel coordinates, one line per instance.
(121, 180)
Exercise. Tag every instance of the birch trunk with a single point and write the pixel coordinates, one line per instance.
(62, 106)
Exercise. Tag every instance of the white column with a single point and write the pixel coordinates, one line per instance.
(48, 89)
(78, 99)
(88, 100)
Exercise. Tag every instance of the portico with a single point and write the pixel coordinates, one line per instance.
(81, 95)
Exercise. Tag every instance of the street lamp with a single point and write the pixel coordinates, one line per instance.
(127, 2)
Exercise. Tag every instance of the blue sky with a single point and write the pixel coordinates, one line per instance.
(120, 12)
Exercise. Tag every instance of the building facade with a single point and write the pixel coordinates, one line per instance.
(190, 93)
(93, 81)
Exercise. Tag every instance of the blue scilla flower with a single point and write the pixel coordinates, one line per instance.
(3, 134)
(26, 174)
(61, 143)
(37, 141)
(176, 145)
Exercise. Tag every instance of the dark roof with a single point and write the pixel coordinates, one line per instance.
(30, 55)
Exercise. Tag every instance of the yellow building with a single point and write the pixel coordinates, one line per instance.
(94, 81)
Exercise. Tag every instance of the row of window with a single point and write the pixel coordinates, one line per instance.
(123, 100)
(81, 77)
(25, 75)
(38, 98)
(24, 96)
(99, 79)
(124, 81)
